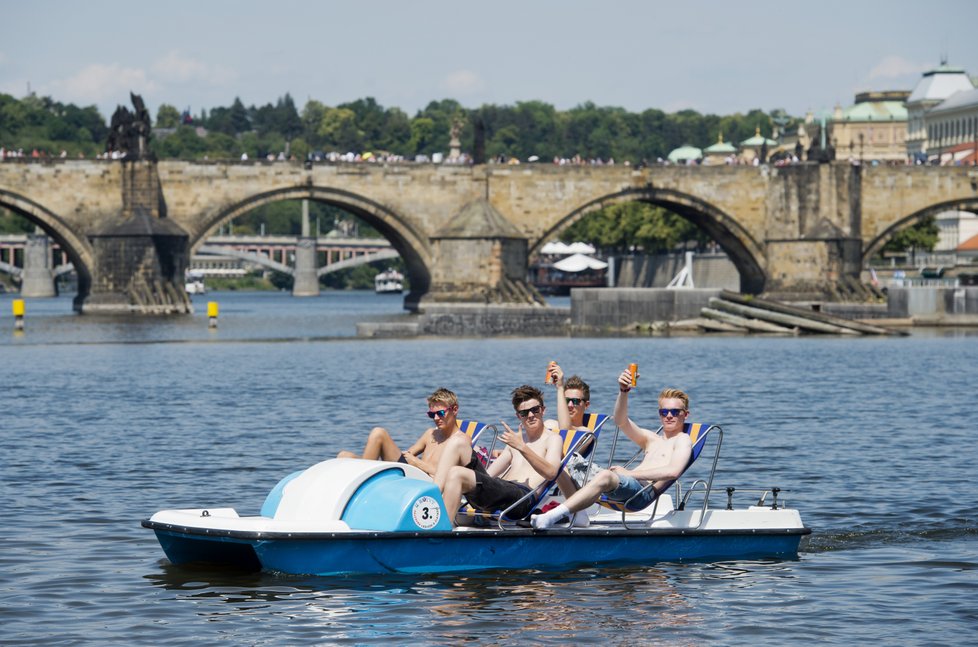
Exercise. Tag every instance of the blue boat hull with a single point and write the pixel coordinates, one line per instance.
(397, 552)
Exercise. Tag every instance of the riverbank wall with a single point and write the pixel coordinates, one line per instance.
(934, 306)
(631, 311)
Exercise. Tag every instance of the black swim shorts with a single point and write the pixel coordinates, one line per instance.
(495, 494)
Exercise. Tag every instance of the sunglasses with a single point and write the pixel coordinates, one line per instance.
(671, 412)
(522, 413)
(440, 413)
(575, 401)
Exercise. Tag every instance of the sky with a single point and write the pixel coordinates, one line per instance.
(713, 56)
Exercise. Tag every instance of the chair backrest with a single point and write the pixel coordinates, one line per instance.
(592, 424)
(471, 428)
(572, 438)
(698, 433)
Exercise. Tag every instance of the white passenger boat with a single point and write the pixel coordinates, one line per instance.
(389, 282)
(195, 283)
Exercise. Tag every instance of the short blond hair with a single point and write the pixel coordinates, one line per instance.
(669, 393)
(443, 396)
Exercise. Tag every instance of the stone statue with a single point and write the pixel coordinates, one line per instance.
(129, 132)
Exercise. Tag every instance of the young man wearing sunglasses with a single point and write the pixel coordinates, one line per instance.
(665, 458)
(532, 455)
(427, 450)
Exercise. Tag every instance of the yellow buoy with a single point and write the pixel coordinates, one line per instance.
(17, 305)
(212, 314)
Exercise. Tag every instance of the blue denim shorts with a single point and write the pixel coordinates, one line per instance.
(629, 486)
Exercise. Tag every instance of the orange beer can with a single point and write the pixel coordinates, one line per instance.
(633, 369)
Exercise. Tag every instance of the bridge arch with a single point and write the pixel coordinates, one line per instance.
(413, 246)
(79, 249)
(744, 251)
(873, 247)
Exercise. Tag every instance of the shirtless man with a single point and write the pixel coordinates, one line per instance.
(427, 450)
(665, 458)
(532, 456)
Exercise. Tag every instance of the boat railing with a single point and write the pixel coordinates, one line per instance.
(775, 492)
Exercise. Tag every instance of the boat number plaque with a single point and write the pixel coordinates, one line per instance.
(426, 513)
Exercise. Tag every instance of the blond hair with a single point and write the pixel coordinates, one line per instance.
(444, 396)
(669, 393)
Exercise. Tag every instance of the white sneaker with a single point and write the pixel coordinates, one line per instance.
(581, 519)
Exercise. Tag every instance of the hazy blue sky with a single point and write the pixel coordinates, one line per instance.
(713, 56)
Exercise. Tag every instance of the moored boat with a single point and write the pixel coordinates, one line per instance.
(345, 516)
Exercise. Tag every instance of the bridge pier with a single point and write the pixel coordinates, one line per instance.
(141, 256)
(37, 279)
(480, 257)
(305, 277)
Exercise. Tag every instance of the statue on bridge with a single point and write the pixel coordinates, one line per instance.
(129, 132)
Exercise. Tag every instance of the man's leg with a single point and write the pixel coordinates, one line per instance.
(456, 452)
(380, 446)
(459, 481)
(605, 481)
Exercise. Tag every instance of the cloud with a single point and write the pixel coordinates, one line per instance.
(175, 67)
(462, 83)
(103, 84)
(895, 67)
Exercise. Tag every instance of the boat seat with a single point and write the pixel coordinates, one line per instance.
(698, 433)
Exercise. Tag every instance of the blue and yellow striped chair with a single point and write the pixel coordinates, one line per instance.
(472, 428)
(698, 433)
(593, 423)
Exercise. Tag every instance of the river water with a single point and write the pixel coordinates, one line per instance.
(106, 421)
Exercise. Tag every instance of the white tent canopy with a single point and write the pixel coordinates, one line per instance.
(579, 263)
(580, 248)
(555, 247)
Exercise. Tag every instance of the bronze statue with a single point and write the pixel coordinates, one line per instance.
(129, 132)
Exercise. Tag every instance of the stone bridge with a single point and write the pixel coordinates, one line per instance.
(465, 233)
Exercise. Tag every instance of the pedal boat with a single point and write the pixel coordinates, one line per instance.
(351, 516)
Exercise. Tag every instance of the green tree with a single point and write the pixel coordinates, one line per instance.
(919, 237)
(634, 226)
(422, 134)
(167, 116)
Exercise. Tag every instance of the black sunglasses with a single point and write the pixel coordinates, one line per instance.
(575, 401)
(522, 413)
(671, 412)
(440, 413)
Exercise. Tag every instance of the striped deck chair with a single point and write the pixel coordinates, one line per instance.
(472, 428)
(593, 423)
(698, 433)
(573, 440)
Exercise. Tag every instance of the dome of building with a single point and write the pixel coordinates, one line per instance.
(720, 148)
(685, 153)
(757, 140)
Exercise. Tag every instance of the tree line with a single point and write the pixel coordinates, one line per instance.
(522, 130)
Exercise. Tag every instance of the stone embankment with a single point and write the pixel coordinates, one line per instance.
(644, 311)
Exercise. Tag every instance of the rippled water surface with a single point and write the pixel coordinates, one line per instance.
(106, 421)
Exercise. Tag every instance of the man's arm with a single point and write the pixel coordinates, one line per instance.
(682, 449)
(635, 433)
(563, 413)
(413, 453)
